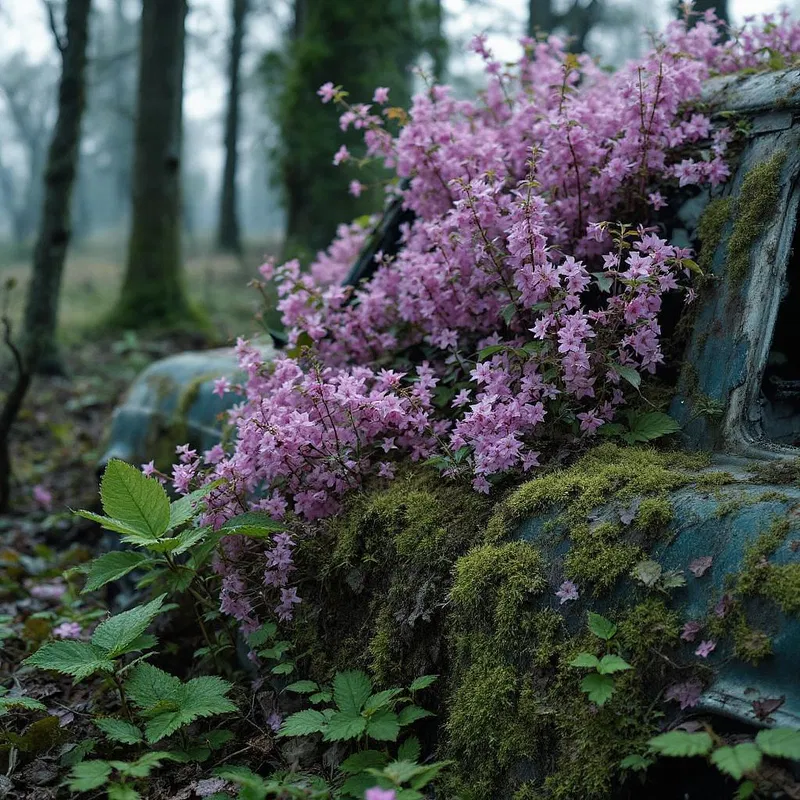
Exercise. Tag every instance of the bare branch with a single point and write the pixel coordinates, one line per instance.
(51, 17)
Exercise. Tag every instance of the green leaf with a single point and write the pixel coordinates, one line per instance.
(411, 714)
(598, 688)
(342, 727)
(585, 660)
(350, 691)
(186, 507)
(745, 790)
(629, 374)
(286, 668)
(358, 762)
(604, 281)
(303, 723)
(737, 761)
(200, 697)
(649, 426)
(118, 730)
(423, 682)
(601, 627)
(357, 785)
(118, 632)
(121, 791)
(135, 500)
(78, 659)
(115, 525)
(611, 663)
(681, 744)
(491, 350)
(302, 687)
(111, 567)
(647, 572)
(266, 633)
(383, 726)
(635, 763)
(88, 775)
(189, 538)
(321, 697)
(27, 703)
(508, 313)
(780, 743)
(257, 524)
(381, 699)
(409, 750)
(147, 686)
(426, 774)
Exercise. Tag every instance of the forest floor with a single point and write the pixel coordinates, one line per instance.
(55, 447)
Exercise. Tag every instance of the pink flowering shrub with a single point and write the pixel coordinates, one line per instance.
(515, 312)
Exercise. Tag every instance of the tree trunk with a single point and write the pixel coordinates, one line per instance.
(541, 18)
(153, 292)
(51, 245)
(229, 235)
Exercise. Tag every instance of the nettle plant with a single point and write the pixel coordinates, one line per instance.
(522, 311)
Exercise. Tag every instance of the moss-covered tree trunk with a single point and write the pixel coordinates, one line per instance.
(229, 234)
(153, 292)
(54, 227)
(361, 46)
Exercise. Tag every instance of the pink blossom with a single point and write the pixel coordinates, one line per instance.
(705, 648)
(342, 154)
(690, 630)
(327, 92)
(377, 793)
(52, 590)
(68, 630)
(566, 592)
(148, 469)
(381, 95)
(222, 386)
(43, 497)
(356, 187)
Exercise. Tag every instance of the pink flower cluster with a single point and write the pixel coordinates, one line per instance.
(513, 312)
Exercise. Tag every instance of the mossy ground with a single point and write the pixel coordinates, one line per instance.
(424, 576)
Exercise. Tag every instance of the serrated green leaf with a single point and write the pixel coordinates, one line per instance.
(647, 572)
(286, 668)
(120, 791)
(737, 761)
(383, 726)
(321, 697)
(411, 714)
(409, 750)
(423, 682)
(88, 775)
(118, 730)
(356, 786)
(350, 691)
(134, 499)
(343, 727)
(681, 744)
(303, 723)
(302, 687)
(780, 743)
(673, 579)
(611, 663)
(189, 538)
(491, 350)
(27, 703)
(745, 790)
(256, 524)
(598, 688)
(118, 632)
(629, 374)
(266, 633)
(601, 627)
(78, 659)
(358, 762)
(509, 312)
(426, 774)
(649, 426)
(381, 699)
(186, 507)
(111, 567)
(604, 281)
(585, 660)
(110, 524)
(147, 686)
(636, 763)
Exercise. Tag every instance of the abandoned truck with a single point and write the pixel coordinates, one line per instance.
(685, 547)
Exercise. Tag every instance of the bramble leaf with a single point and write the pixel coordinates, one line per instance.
(117, 633)
(681, 744)
(257, 524)
(88, 775)
(342, 726)
(184, 508)
(383, 726)
(598, 688)
(78, 659)
(738, 760)
(411, 714)
(350, 691)
(118, 730)
(111, 567)
(135, 500)
(585, 660)
(27, 703)
(409, 750)
(423, 682)
(302, 687)
(601, 627)
(780, 743)
(649, 426)
(611, 663)
(358, 762)
(629, 374)
(303, 723)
